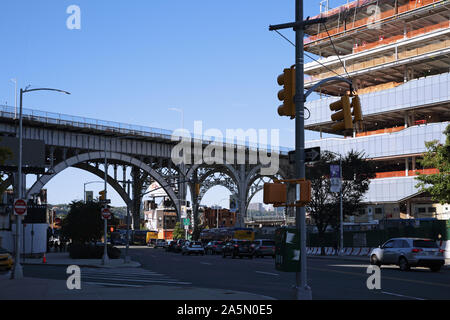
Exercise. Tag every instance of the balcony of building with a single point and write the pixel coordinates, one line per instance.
(408, 142)
(362, 22)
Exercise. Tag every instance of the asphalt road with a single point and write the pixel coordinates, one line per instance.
(329, 279)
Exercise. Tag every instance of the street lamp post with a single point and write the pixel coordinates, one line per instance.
(217, 210)
(15, 97)
(18, 271)
(105, 258)
(84, 189)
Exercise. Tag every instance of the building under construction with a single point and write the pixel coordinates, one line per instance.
(397, 54)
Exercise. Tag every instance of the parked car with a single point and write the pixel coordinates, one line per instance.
(238, 248)
(170, 246)
(193, 247)
(179, 245)
(118, 238)
(151, 243)
(160, 243)
(409, 252)
(214, 247)
(262, 248)
(6, 259)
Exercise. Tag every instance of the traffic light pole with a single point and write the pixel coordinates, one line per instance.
(303, 291)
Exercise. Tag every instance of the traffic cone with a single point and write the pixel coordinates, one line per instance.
(44, 259)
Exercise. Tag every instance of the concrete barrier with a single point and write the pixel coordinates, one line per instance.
(348, 251)
(364, 251)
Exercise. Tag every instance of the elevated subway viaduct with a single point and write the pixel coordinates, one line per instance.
(142, 153)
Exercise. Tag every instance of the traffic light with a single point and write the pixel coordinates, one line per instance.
(102, 195)
(357, 112)
(287, 80)
(343, 116)
(275, 193)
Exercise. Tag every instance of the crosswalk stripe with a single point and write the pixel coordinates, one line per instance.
(126, 277)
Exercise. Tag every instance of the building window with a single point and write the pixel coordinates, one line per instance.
(421, 210)
(432, 209)
(378, 210)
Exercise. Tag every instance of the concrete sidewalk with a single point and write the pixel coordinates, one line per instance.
(43, 289)
(47, 289)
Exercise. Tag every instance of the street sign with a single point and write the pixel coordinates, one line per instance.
(312, 154)
(335, 178)
(107, 201)
(186, 222)
(106, 214)
(20, 207)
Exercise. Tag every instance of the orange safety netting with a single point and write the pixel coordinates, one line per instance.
(391, 13)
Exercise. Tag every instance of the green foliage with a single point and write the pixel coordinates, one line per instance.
(178, 232)
(324, 208)
(437, 156)
(5, 154)
(84, 222)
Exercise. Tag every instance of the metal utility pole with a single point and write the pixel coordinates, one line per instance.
(127, 258)
(105, 259)
(303, 291)
(341, 207)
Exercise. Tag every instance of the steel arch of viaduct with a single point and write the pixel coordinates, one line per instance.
(81, 158)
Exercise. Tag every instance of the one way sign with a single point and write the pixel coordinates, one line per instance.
(311, 155)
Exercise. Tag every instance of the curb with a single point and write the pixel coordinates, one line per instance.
(355, 258)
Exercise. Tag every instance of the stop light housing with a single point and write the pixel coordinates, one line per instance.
(275, 193)
(343, 116)
(102, 195)
(287, 80)
(357, 111)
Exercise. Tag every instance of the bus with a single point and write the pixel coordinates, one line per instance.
(152, 236)
(225, 234)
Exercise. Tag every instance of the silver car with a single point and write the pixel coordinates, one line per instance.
(409, 252)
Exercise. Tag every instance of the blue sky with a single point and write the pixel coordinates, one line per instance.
(133, 60)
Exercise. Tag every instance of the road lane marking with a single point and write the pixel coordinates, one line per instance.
(137, 280)
(206, 263)
(113, 284)
(269, 273)
(385, 277)
(401, 295)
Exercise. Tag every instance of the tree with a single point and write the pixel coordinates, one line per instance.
(5, 154)
(324, 209)
(178, 232)
(84, 222)
(437, 157)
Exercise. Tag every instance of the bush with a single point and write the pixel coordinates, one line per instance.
(91, 251)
